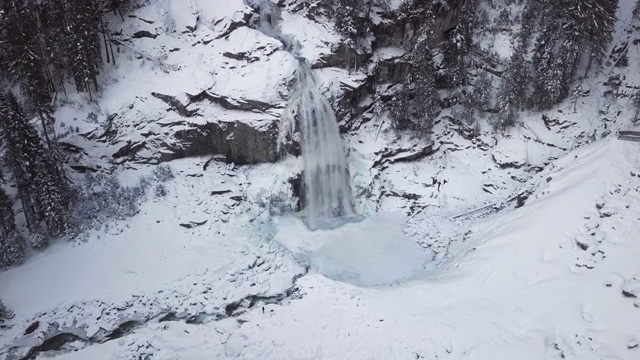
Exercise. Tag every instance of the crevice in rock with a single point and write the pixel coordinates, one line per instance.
(175, 105)
(230, 103)
(391, 156)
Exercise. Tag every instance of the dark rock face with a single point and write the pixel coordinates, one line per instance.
(341, 56)
(237, 142)
(393, 70)
(143, 34)
(229, 103)
(447, 20)
(353, 103)
(297, 186)
(228, 25)
(240, 143)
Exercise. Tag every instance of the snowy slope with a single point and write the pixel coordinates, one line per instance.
(556, 278)
(517, 246)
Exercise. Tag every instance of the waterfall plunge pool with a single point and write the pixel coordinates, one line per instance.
(370, 252)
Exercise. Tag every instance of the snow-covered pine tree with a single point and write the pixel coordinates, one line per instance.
(23, 54)
(12, 244)
(590, 24)
(83, 44)
(42, 187)
(457, 43)
(346, 13)
(569, 30)
(52, 194)
(426, 105)
(25, 49)
(400, 103)
(5, 313)
(22, 151)
(480, 98)
(513, 90)
(54, 28)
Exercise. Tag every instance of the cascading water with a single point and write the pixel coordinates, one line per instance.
(327, 191)
(326, 179)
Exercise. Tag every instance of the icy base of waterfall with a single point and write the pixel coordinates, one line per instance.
(330, 223)
(369, 252)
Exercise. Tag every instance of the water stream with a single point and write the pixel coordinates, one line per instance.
(326, 180)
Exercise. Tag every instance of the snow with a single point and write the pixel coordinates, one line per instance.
(517, 284)
(443, 263)
(315, 38)
(383, 254)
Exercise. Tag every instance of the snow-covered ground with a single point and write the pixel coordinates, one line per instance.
(519, 246)
(555, 278)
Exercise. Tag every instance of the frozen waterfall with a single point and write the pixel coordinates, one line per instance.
(326, 180)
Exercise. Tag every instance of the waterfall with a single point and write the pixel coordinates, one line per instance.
(326, 180)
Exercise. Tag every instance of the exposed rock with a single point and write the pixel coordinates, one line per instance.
(193, 224)
(297, 186)
(175, 105)
(240, 143)
(352, 103)
(234, 22)
(32, 327)
(83, 169)
(70, 148)
(392, 70)
(143, 34)
(241, 56)
(129, 150)
(341, 56)
(229, 103)
(390, 156)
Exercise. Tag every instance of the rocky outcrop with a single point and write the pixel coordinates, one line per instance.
(353, 103)
(229, 103)
(342, 56)
(229, 24)
(240, 143)
(392, 70)
(237, 142)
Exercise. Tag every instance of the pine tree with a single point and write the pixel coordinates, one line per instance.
(25, 56)
(22, 153)
(507, 110)
(5, 313)
(84, 42)
(513, 90)
(346, 13)
(426, 99)
(416, 103)
(55, 31)
(481, 95)
(42, 186)
(23, 53)
(457, 45)
(12, 244)
(590, 24)
(568, 30)
(52, 193)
